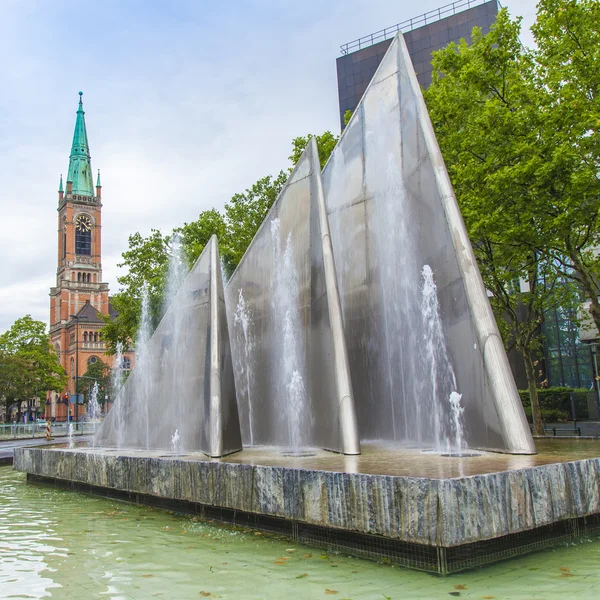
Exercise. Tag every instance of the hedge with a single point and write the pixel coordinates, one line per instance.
(555, 403)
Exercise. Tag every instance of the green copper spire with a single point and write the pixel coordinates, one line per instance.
(98, 184)
(80, 168)
(60, 187)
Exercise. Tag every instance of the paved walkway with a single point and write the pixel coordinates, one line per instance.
(7, 447)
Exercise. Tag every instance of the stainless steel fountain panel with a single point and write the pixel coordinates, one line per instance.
(392, 211)
(187, 382)
(290, 361)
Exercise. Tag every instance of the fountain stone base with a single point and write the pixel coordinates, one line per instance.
(422, 511)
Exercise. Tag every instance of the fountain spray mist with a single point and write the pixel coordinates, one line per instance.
(242, 319)
(116, 381)
(446, 419)
(290, 368)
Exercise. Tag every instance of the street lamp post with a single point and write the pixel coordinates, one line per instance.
(77, 319)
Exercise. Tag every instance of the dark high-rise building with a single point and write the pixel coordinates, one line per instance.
(423, 34)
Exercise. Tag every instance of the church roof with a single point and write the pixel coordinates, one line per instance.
(88, 314)
(112, 311)
(80, 167)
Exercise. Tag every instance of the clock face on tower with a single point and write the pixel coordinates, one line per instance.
(83, 223)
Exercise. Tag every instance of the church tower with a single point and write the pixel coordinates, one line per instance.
(80, 298)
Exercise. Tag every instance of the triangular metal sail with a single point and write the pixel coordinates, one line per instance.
(289, 354)
(419, 327)
(181, 394)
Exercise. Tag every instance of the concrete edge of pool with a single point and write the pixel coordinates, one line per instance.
(436, 525)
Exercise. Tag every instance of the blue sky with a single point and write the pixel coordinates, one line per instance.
(187, 102)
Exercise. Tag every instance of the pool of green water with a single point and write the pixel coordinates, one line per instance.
(60, 544)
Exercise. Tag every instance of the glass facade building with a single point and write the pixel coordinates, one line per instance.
(423, 34)
(568, 361)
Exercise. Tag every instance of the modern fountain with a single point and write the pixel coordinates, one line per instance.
(358, 322)
(357, 312)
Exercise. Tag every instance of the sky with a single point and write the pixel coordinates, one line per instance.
(187, 102)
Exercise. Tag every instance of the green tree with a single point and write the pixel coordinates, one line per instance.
(567, 157)
(325, 143)
(195, 235)
(245, 212)
(484, 103)
(29, 363)
(14, 379)
(147, 262)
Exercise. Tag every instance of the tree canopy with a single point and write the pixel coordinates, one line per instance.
(325, 144)
(520, 168)
(567, 80)
(29, 365)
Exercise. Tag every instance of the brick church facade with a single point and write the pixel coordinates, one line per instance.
(80, 299)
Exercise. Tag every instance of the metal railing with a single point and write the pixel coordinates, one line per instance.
(425, 19)
(15, 431)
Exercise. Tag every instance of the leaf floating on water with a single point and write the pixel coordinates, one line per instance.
(328, 591)
(148, 575)
(301, 576)
(290, 549)
(565, 569)
(460, 586)
(488, 597)
(454, 593)
(566, 575)
(205, 594)
(308, 556)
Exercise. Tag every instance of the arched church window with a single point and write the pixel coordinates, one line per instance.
(79, 277)
(83, 235)
(85, 336)
(64, 238)
(88, 278)
(126, 364)
(95, 337)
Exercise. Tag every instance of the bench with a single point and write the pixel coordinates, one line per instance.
(563, 430)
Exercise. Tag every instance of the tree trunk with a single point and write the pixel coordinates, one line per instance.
(536, 412)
